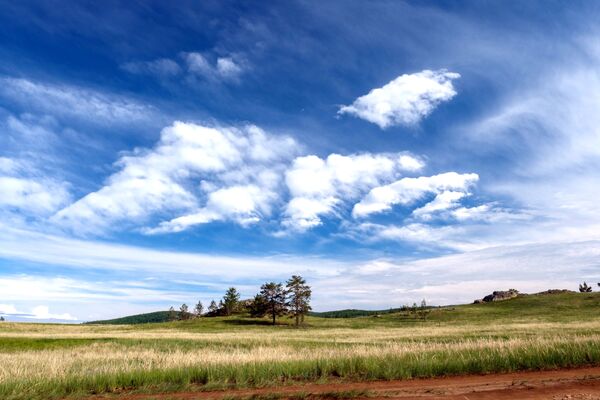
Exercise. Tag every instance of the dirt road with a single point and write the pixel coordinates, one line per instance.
(573, 384)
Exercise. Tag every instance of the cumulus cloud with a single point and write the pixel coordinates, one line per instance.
(405, 100)
(192, 164)
(318, 185)
(408, 190)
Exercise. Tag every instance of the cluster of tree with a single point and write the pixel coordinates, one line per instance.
(2, 319)
(274, 300)
(585, 288)
(417, 311)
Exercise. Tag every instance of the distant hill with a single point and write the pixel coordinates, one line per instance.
(352, 313)
(157, 316)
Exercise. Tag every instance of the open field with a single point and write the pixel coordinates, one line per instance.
(528, 333)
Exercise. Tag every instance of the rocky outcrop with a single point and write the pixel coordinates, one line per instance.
(499, 296)
(557, 291)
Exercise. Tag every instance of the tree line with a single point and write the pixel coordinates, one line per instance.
(273, 300)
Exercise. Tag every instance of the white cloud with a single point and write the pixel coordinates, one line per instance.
(24, 189)
(317, 186)
(43, 312)
(245, 205)
(443, 201)
(72, 101)
(198, 64)
(228, 68)
(7, 309)
(225, 68)
(548, 128)
(405, 100)
(235, 172)
(8, 165)
(490, 213)
(461, 278)
(457, 238)
(37, 312)
(408, 190)
(38, 196)
(16, 244)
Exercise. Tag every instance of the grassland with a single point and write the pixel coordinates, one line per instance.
(527, 333)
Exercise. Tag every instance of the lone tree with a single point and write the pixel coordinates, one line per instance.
(584, 288)
(213, 308)
(199, 309)
(1, 319)
(231, 300)
(274, 296)
(184, 312)
(299, 297)
(172, 316)
(423, 311)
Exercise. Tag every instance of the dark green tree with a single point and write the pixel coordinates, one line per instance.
(198, 309)
(423, 311)
(231, 301)
(184, 312)
(213, 309)
(299, 297)
(172, 316)
(259, 307)
(584, 288)
(274, 296)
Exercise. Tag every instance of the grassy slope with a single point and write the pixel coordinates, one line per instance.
(540, 307)
(562, 307)
(530, 332)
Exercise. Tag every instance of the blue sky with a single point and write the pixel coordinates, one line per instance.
(388, 151)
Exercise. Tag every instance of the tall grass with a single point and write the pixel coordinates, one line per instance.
(110, 367)
(41, 361)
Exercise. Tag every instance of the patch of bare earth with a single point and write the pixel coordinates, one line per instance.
(572, 384)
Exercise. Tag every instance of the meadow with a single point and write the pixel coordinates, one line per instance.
(74, 361)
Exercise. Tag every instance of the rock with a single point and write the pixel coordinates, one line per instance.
(557, 291)
(500, 295)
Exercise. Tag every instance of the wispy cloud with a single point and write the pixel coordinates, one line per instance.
(441, 280)
(405, 100)
(225, 68)
(74, 102)
(191, 65)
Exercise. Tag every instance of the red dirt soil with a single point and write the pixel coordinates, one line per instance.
(571, 384)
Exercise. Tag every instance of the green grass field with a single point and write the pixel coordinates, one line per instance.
(526, 333)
